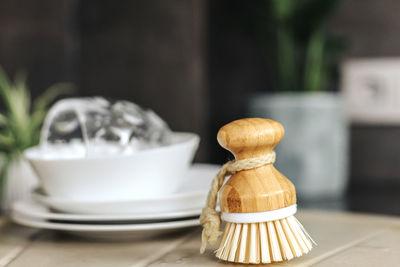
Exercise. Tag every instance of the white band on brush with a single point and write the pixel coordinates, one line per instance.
(254, 217)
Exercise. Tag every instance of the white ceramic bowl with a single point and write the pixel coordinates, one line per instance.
(144, 174)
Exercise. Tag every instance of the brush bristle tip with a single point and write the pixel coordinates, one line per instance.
(264, 242)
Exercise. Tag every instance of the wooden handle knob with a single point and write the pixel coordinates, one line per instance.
(259, 189)
(249, 138)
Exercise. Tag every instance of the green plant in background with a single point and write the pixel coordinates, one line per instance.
(21, 117)
(305, 52)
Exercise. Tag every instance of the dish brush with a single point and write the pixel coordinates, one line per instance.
(258, 203)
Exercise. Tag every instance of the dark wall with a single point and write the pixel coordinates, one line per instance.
(144, 51)
(193, 61)
(40, 37)
(372, 27)
(150, 52)
(237, 66)
(373, 30)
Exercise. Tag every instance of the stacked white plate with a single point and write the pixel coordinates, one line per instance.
(121, 219)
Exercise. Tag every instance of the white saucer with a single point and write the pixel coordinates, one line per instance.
(108, 231)
(35, 210)
(191, 196)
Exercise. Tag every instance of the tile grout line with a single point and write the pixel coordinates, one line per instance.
(10, 256)
(158, 254)
(15, 252)
(333, 252)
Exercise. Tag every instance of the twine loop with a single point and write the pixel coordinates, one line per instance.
(210, 219)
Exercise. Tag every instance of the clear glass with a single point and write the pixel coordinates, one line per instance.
(95, 125)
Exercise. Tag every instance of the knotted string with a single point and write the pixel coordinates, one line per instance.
(210, 218)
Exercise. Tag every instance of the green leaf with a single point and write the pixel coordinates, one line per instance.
(19, 124)
(56, 90)
(286, 60)
(5, 88)
(3, 120)
(309, 16)
(6, 142)
(19, 113)
(314, 67)
(37, 119)
(6, 162)
(282, 9)
(42, 103)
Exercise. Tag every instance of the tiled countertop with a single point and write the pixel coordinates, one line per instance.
(344, 239)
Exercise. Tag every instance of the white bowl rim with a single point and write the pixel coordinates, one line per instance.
(177, 196)
(186, 139)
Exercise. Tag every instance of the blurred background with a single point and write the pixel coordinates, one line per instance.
(328, 70)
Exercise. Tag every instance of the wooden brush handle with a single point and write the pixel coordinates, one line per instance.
(260, 189)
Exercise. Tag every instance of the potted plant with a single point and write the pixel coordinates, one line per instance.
(20, 123)
(314, 151)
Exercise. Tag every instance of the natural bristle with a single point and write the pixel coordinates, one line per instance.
(264, 242)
